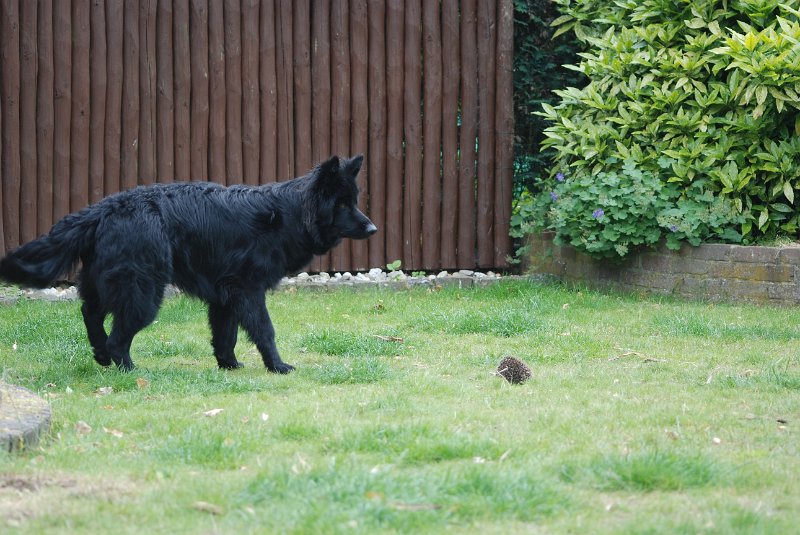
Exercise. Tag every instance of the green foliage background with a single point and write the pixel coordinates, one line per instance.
(539, 61)
(702, 94)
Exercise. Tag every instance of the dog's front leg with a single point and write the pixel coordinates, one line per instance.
(255, 320)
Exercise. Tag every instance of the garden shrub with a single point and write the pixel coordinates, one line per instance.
(701, 96)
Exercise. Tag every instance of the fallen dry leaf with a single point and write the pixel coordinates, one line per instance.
(142, 383)
(208, 508)
(104, 390)
(114, 432)
(388, 338)
(213, 412)
(415, 506)
(82, 428)
(264, 416)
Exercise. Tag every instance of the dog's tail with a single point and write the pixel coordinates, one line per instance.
(40, 262)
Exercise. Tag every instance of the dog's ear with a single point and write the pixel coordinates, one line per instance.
(353, 166)
(329, 167)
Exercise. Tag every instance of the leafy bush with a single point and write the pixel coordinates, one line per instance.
(702, 95)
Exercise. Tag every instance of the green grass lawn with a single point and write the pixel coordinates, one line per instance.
(643, 415)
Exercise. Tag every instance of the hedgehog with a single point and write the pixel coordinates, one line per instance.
(513, 370)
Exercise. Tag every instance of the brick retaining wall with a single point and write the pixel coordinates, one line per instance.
(713, 272)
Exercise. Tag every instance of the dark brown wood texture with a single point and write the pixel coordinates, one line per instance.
(100, 96)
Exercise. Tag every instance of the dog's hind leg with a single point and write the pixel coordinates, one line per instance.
(254, 318)
(134, 310)
(224, 331)
(93, 317)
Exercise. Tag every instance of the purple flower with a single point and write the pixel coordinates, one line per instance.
(673, 228)
(597, 214)
(553, 196)
(560, 177)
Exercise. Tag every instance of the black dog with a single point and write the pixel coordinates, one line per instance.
(226, 246)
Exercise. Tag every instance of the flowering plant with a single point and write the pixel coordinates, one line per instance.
(609, 213)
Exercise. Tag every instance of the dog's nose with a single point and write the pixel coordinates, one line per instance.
(371, 229)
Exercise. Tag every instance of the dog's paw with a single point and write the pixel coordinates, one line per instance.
(126, 366)
(281, 368)
(231, 365)
(102, 359)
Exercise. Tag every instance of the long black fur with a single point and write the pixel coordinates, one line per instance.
(226, 246)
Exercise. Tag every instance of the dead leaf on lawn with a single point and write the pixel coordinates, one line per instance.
(82, 428)
(388, 338)
(142, 383)
(213, 412)
(114, 432)
(104, 391)
(264, 416)
(415, 506)
(209, 508)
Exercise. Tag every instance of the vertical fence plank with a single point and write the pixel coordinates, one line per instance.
(165, 103)
(27, 108)
(97, 101)
(432, 136)
(395, 31)
(285, 75)
(10, 72)
(301, 45)
(412, 209)
(233, 92)
(468, 134)
(250, 112)
(377, 131)
(79, 135)
(183, 80)
(340, 102)
(269, 93)
(504, 159)
(217, 99)
(359, 97)
(486, 105)
(321, 91)
(129, 161)
(147, 89)
(2, 231)
(198, 37)
(450, 80)
(62, 71)
(114, 67)
(44, 117)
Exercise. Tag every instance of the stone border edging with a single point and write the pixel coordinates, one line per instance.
(375, 278)
(24, 417)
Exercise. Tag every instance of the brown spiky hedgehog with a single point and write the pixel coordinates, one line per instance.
(513, 370)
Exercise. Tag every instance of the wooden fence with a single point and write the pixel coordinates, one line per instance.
(100, 96)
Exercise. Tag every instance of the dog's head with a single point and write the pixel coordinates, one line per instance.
(332, 204)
